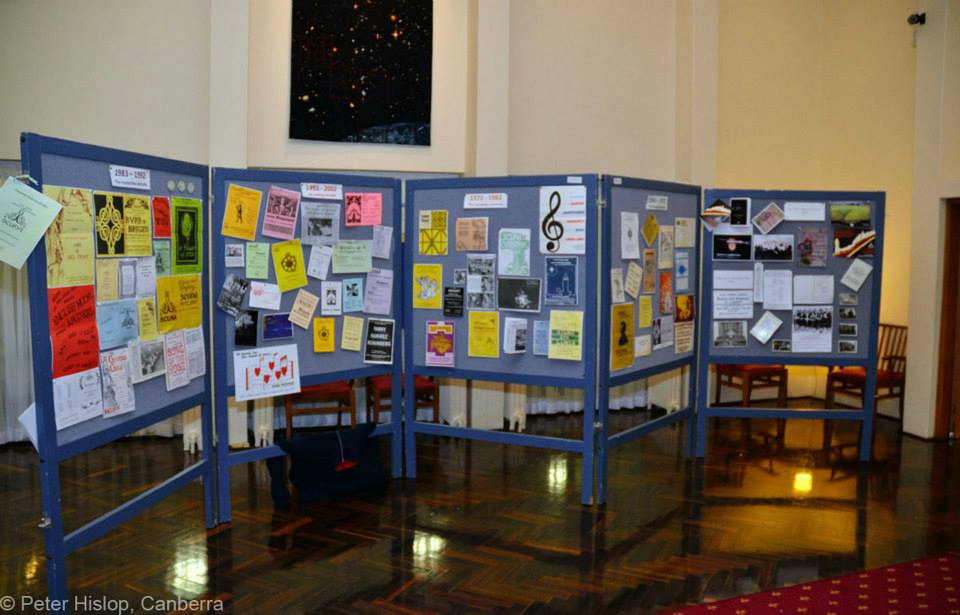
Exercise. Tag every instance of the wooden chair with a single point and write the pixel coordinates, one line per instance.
(340, 392)
(891, 375)
(749, 378)
(379, 389)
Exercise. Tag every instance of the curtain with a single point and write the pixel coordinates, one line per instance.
(16, 375)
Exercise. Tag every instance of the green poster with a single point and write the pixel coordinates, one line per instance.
(187, 235)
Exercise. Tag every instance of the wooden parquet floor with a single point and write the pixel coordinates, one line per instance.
(492, 529)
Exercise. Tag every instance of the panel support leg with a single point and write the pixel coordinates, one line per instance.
(589, 435)
(222, 448)
(52, 523)
(210, 469)
(410, 418)
(396, 416)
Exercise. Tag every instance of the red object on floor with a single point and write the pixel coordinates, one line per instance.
(929, 586)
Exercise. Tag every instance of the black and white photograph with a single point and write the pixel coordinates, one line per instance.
(848, 313)
(233, 255)
(847, 329)
(782, 346)
(232, 293)
(481, 264)
(481, 281)
(320, 223)
(847, 346)
(731, 247)
(730, 334)
(773, 247)
(245, 328)
(459, 277)
(148, 360)
(662, 332)
(518, 294)
(812, 328)
(848, 299)
(481, 292)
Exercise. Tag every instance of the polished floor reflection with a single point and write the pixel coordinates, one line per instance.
(488, 528)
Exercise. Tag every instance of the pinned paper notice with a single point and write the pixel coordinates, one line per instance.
(25, 215)
(129, 177)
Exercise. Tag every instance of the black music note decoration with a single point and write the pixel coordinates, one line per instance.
(552, 228)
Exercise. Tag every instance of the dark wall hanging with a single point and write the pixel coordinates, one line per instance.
(360, 71)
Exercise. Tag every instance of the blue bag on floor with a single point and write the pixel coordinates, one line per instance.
(328, 465)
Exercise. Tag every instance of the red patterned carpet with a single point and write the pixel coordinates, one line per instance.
(925, 586)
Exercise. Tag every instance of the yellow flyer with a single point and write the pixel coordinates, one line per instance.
(108, 279)
(621, 336)
(69, 239)
(241, 213)
(645, 312)
(484, 334)
(179, 302)
(566, 335)
(352, 335)
(137, 218)
(427, 282)
(324, 334)
(433, 232)
(288, 264)
(147, 312)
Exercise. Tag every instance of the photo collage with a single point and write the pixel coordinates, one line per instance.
(499, 286)
(313, 262)
(652, 285)
(789, 274)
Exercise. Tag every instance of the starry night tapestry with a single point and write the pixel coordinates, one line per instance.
(360, 71)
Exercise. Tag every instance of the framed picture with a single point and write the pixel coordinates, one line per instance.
(730, 334)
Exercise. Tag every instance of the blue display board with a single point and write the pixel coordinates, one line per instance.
(315, 368)
(561, 208)
(55, 162)
(821, 260)
(651, 227)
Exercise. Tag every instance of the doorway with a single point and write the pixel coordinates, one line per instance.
(948, 377)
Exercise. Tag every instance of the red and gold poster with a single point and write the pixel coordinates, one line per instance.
(73, 329)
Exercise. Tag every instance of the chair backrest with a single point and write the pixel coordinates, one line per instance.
(892, 348)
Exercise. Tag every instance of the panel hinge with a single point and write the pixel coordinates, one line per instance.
(45, 522)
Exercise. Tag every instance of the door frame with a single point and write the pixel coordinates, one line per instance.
(948, 388)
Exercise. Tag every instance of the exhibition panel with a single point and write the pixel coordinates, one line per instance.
(304, 270)
(791, 278)
(118, 298)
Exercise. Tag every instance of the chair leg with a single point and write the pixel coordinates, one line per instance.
(716, 394)
(436, 406)
(375, 406)
(827, 423)
(902, 395)
(353, 408)
(288, 407)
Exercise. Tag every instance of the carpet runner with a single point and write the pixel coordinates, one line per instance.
(930, 586)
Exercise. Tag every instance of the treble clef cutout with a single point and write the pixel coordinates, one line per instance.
(552, 228)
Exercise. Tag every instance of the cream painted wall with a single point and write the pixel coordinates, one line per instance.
(269, 84)
(593, 87)
(935, 179)
(819, 94)
(132, 75)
